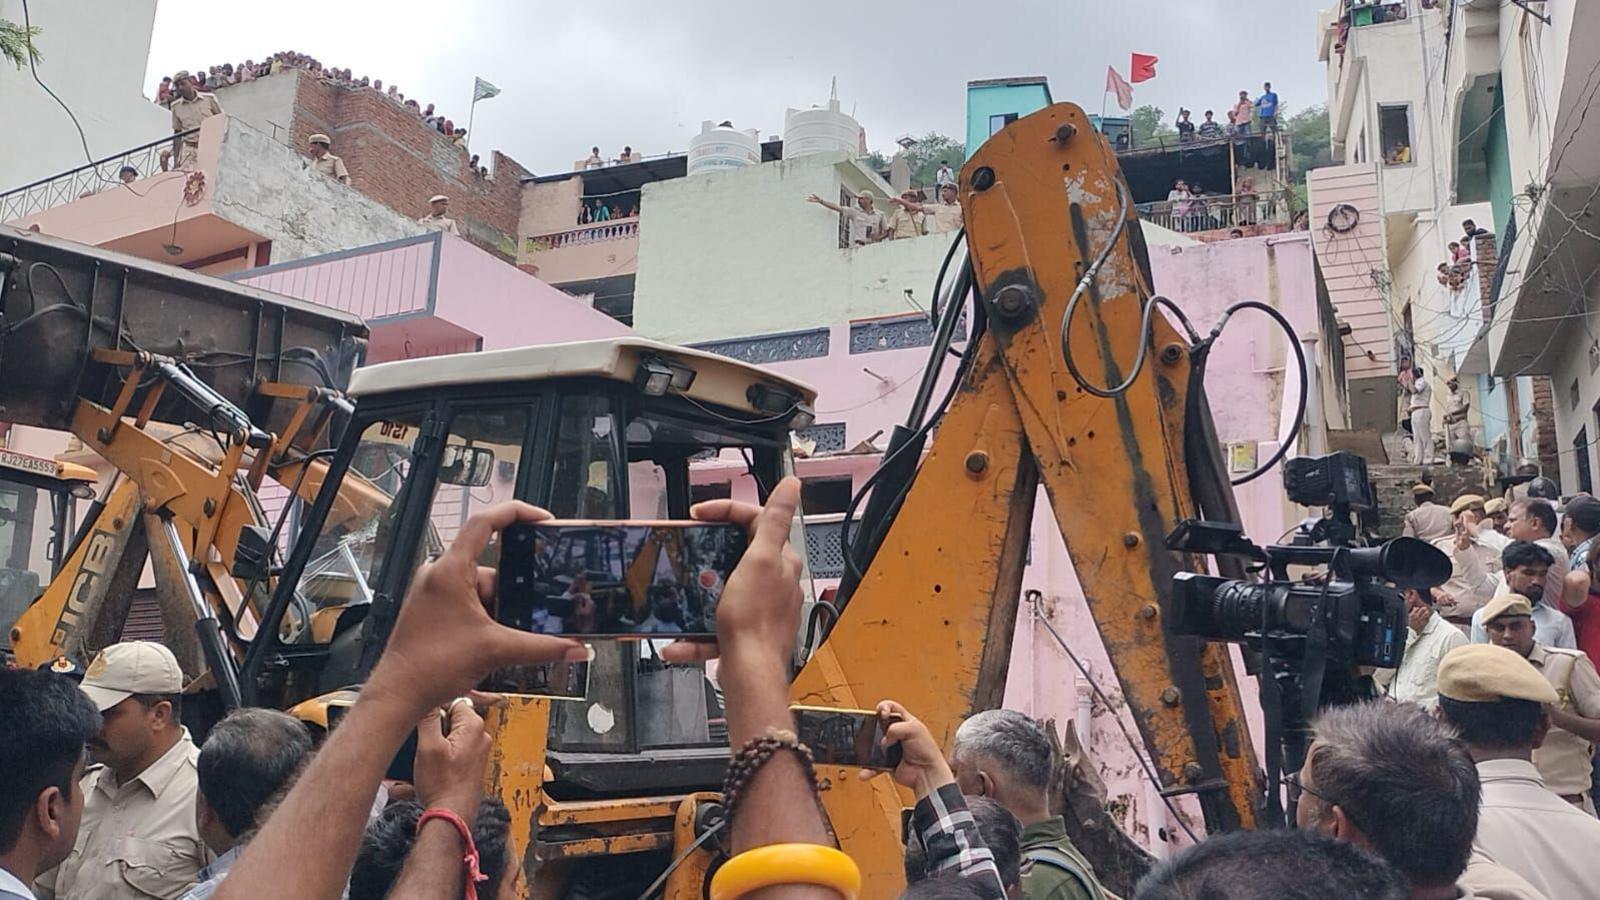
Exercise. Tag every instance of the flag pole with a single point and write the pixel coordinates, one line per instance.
(471, 112)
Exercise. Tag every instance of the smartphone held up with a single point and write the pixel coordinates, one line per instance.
(846, 737)
(616, 578)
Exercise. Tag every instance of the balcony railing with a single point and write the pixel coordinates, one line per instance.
(1220, 211)
(597, 233)
(91, 178)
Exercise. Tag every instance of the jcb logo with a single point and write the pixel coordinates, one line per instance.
(101, 545)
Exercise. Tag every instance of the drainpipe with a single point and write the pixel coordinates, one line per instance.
(1316, 436)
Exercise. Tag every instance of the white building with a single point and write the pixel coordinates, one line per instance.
(1414, 105)
(93, 55)
(1525, 81)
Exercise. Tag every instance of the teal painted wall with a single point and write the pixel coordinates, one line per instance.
(1497, 156)
(995, 100)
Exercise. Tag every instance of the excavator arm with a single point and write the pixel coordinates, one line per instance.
(1047, 216)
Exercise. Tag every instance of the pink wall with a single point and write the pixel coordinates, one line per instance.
(1348, 260)
(478, 302)
(509, 307)
(371, 284)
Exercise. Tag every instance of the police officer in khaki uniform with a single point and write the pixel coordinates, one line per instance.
(1496, 701)
(1564, 757)
(190, 107)
(438, 220)
(1472, 565)
(324, 162)
(139, 838)
(1429, 521)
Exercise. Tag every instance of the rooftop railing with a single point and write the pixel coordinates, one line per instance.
(1212, 212)
(90, 178)
(595, 233)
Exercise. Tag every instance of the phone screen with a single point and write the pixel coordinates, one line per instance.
(616, 579)
(845, 737)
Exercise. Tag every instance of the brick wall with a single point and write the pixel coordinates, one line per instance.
(400, 162)
(1486, 257)
(1544, 422)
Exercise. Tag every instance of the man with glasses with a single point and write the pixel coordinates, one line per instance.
(1393, 779)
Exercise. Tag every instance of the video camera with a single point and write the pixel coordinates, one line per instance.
(1356, 597)
(1307, 639)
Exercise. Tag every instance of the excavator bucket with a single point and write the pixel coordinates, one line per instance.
(61, 301)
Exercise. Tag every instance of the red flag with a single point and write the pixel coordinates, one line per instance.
(1123, 89)
(1143, 67)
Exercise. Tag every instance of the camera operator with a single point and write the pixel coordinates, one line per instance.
(1393, 779)
(1472, 564)
(1428, 638)
(1497, 702)
(1564, 757)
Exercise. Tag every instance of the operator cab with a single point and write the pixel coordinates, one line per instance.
(591, 430)
(37, 515)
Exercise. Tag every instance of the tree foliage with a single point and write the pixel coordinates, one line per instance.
(17, 43)
(924, 157)
(1312, 145)
(1150, 128)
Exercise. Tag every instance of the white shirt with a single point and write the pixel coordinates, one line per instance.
(944, 176)
(1421, 395)
(1417, 679)
(11, 884)
(1529, 830)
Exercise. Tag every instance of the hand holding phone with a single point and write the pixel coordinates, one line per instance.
(615, 579)
(846, 737)
(922, 766)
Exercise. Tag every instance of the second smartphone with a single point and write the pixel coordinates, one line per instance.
(616, 578)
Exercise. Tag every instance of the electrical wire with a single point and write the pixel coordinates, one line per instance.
(1037, 599)
(661, 879)
(1305, 380)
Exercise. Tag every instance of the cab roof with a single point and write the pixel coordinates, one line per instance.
(718, 379)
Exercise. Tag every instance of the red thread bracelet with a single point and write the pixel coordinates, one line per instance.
(470, 858)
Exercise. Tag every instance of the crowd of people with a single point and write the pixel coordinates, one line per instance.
(1195, 209)
(210, 78)
(912, 215)
(1245, 117)
(1467, 788)
(1453, 272)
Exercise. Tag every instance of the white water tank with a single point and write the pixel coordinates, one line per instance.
(719, 147)
(807, 132)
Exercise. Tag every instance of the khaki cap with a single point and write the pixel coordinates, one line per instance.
(1466, 501)
(132, 667)
(438, 198)
(1494, 505)
(1484, 673)
(1419, 489)
(1507, 605)
(322, 139)
(181, 75)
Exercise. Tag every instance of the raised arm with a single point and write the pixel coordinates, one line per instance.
(813, 198)
(444, 643)
(449, 776)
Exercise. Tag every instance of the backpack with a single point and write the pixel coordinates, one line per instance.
(1056, 859)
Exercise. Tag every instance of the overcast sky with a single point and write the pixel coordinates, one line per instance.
(646, 73)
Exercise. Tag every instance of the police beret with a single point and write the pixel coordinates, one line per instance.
(1507, 605)
(1484, 673)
